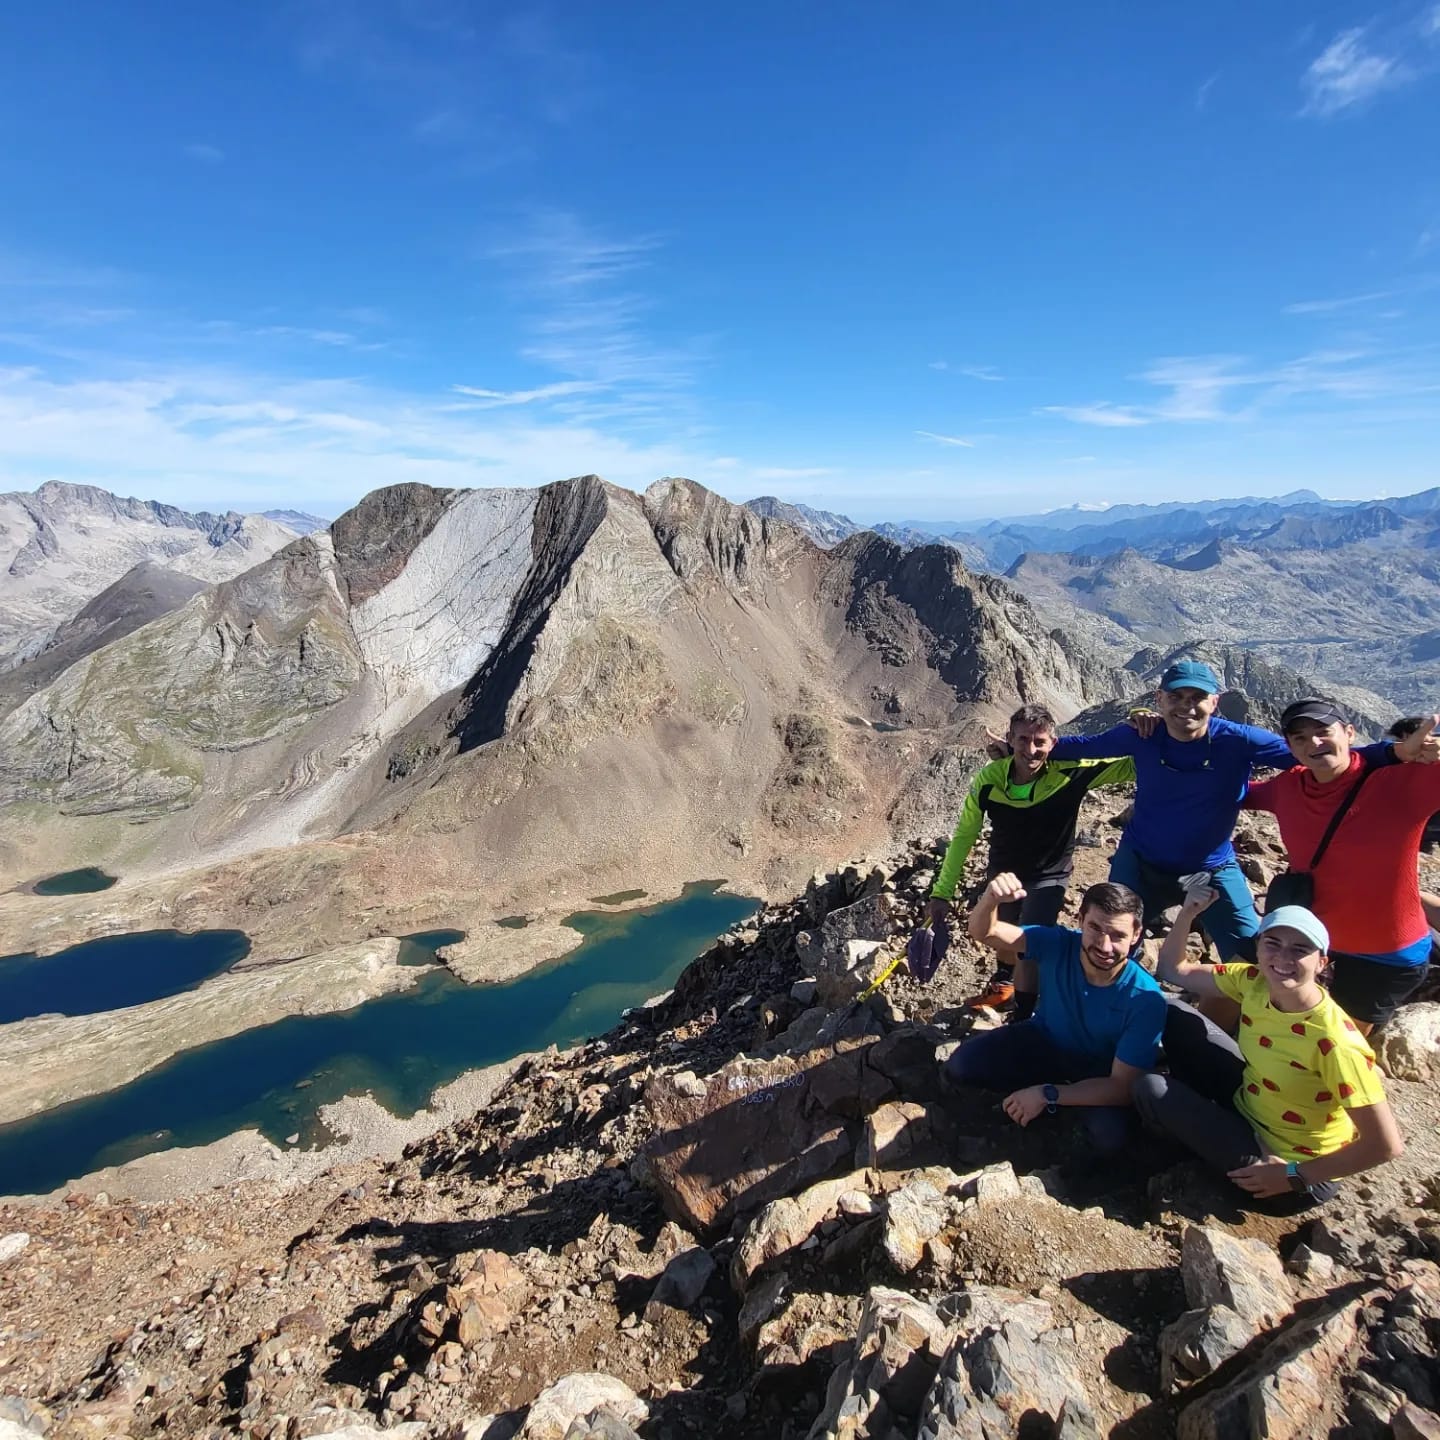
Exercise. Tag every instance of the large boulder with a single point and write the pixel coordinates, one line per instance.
(898, 1345)
(1408, 1045)
(1285, 1393)
(1199, 1343)
(1219, 1268)
(846, 954)
(913, 1217)
(894, 1132)
(991, 1382)
(752, 1132)
(586, 1394)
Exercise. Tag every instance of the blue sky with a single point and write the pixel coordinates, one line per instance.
(936, 260)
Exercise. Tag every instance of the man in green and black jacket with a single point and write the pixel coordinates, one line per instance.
(1033, 803)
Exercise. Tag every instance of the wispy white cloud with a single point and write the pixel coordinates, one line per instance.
(1102, 413)
(226, 436)
(973, 372)
(1202, 93)
(1228, 388)
(1343, 302)
(205, 154)
(1361, 63)
(333, 339)
(946, 439)
(590, 320)
(493, 399)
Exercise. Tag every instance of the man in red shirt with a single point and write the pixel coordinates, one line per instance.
(1366, 888)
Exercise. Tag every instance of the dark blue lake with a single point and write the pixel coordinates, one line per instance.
(401, 1047)
(112, 973)
(74, 882)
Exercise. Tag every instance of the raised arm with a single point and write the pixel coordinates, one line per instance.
(986, 927)
(1174, 966)
(1421, 746)
(1109, 772)
(1109, 745)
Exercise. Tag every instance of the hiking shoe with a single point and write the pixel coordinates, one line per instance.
(997, 993)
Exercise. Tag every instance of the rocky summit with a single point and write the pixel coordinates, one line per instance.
(453, 705)
(749, 1210)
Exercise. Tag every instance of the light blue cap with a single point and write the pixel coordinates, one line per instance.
(1297, 917)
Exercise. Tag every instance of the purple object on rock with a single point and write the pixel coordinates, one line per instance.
(922, 954)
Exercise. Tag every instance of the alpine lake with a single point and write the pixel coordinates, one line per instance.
(275, 1078)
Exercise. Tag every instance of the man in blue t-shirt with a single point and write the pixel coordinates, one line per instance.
(1190, 777)
(1096, 1027)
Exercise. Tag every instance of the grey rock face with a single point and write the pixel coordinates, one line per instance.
(374, 540)
(985, 1382)
(1246, 1275)
(976, 632)
(824, 527)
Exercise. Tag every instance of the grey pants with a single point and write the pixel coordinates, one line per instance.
(1194, 1103)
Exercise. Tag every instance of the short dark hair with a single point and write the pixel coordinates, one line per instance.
(1112, 899)
(1403, 729)
(1033, 715)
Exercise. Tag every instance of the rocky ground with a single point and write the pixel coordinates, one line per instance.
(750, 1210)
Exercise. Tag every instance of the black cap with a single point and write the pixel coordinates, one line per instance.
(1316, 707)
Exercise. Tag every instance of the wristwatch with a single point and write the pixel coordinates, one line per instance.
(1052, 1098)
(1293, 1176)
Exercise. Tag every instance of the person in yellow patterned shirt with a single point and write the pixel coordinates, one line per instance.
(1295, 1101)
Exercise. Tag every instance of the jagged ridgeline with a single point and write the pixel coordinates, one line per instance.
(574, 671)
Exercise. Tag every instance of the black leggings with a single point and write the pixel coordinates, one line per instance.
(1194, 1103)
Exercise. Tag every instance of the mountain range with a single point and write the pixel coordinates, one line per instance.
(451, 705)
(1342, 590)
(482, 701)
(62, 544)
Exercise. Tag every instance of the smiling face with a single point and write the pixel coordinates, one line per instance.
(1324, 750)
(1291, 966)
(1186, 711)
(1106, 942)
(1031, 746)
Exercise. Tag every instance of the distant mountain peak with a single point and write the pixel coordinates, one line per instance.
(824, 527)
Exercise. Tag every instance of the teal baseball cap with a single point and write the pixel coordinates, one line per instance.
(1190, 675)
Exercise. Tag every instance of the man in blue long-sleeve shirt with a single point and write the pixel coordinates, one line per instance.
(1190, 777)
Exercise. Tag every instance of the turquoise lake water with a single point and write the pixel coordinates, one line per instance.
(400, 1047)
(112, 973)
(75, 882)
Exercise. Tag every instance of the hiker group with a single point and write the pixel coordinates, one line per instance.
(1264, 1069)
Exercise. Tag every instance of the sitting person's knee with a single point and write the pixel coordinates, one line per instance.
(959, 1069)
(1148, 1091)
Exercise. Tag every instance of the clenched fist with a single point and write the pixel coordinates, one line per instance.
(1005, 888)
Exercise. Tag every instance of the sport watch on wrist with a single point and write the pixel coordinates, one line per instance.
(1293, 1176)
(1052, 1098)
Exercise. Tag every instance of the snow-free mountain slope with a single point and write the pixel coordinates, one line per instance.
(465, 699)
(64, 544)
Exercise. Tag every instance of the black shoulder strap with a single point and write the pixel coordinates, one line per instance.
(1340, 812)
